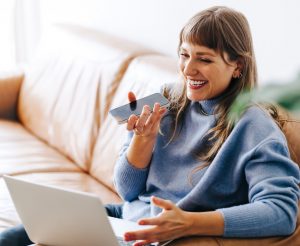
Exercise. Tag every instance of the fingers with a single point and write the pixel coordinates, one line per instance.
(131, 96)
(150, 221)
(143, 118)
(131, 122)
(139, 235)
(141, 243)
(162, 111)
(164, 204)
(148, 122)
(160, 228)
(154, 117)
(159, 115)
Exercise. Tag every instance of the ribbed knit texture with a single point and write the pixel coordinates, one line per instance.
(251, 181)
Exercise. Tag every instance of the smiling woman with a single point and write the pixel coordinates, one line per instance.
(238, 176)
(207, 73)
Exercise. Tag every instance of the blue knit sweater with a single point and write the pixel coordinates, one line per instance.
(251, 181)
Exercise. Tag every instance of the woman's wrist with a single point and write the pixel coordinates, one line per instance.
(205, 223)
(140, 151)
(145, 140)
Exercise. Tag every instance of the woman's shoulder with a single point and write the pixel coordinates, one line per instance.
(255, 113)
(256, 121)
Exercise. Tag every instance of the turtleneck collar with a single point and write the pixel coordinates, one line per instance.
(209, 105)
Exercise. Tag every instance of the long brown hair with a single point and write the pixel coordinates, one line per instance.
(225, 31)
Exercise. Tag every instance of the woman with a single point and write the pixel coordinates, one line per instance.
(212, 177)
(191, 171)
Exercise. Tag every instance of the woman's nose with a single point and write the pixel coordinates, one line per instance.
(190, 69)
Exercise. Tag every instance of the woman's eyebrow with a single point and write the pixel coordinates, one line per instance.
(205, 53)
(199, 53)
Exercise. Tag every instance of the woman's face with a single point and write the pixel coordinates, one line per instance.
(205, 73)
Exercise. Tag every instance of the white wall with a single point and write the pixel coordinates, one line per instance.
(156, 24)
(7, 51)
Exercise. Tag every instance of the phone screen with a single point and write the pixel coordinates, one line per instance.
(122, 113)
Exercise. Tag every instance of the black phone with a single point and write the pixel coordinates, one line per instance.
(122, 113)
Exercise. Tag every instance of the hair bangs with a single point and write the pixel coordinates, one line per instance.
(202, 31)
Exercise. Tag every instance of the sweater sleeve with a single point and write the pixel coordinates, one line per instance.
(273, 195)
(129, 181)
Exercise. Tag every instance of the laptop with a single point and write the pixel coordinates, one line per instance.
(62, 217)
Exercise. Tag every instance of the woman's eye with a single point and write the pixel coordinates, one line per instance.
(184, 55)
(205, 60)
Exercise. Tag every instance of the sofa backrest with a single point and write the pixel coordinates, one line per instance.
(63, 96)
(145, 75)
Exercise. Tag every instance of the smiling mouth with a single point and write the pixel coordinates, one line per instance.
(196, 84)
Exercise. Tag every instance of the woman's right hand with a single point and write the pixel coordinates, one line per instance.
(147, 124)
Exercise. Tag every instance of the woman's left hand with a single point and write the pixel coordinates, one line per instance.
(171, 223)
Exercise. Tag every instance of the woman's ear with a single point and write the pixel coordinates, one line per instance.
(238, 71)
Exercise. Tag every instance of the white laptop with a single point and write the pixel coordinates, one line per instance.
(61, 217)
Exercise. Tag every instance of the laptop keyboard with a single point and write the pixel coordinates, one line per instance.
(124, 243)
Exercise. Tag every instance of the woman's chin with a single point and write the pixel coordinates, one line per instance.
(194, 97)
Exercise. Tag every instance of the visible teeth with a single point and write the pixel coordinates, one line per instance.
(195, 83)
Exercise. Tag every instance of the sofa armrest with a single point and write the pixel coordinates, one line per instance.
(291, 130)
(10, 84)
(291, 126)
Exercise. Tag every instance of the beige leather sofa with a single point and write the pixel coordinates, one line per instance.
(54, 122)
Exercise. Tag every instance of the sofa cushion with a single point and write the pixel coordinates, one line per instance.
(70, 180)
(145, 75)
(21, 152)
(61, 96)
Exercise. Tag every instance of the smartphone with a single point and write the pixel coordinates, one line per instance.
(122, 113)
